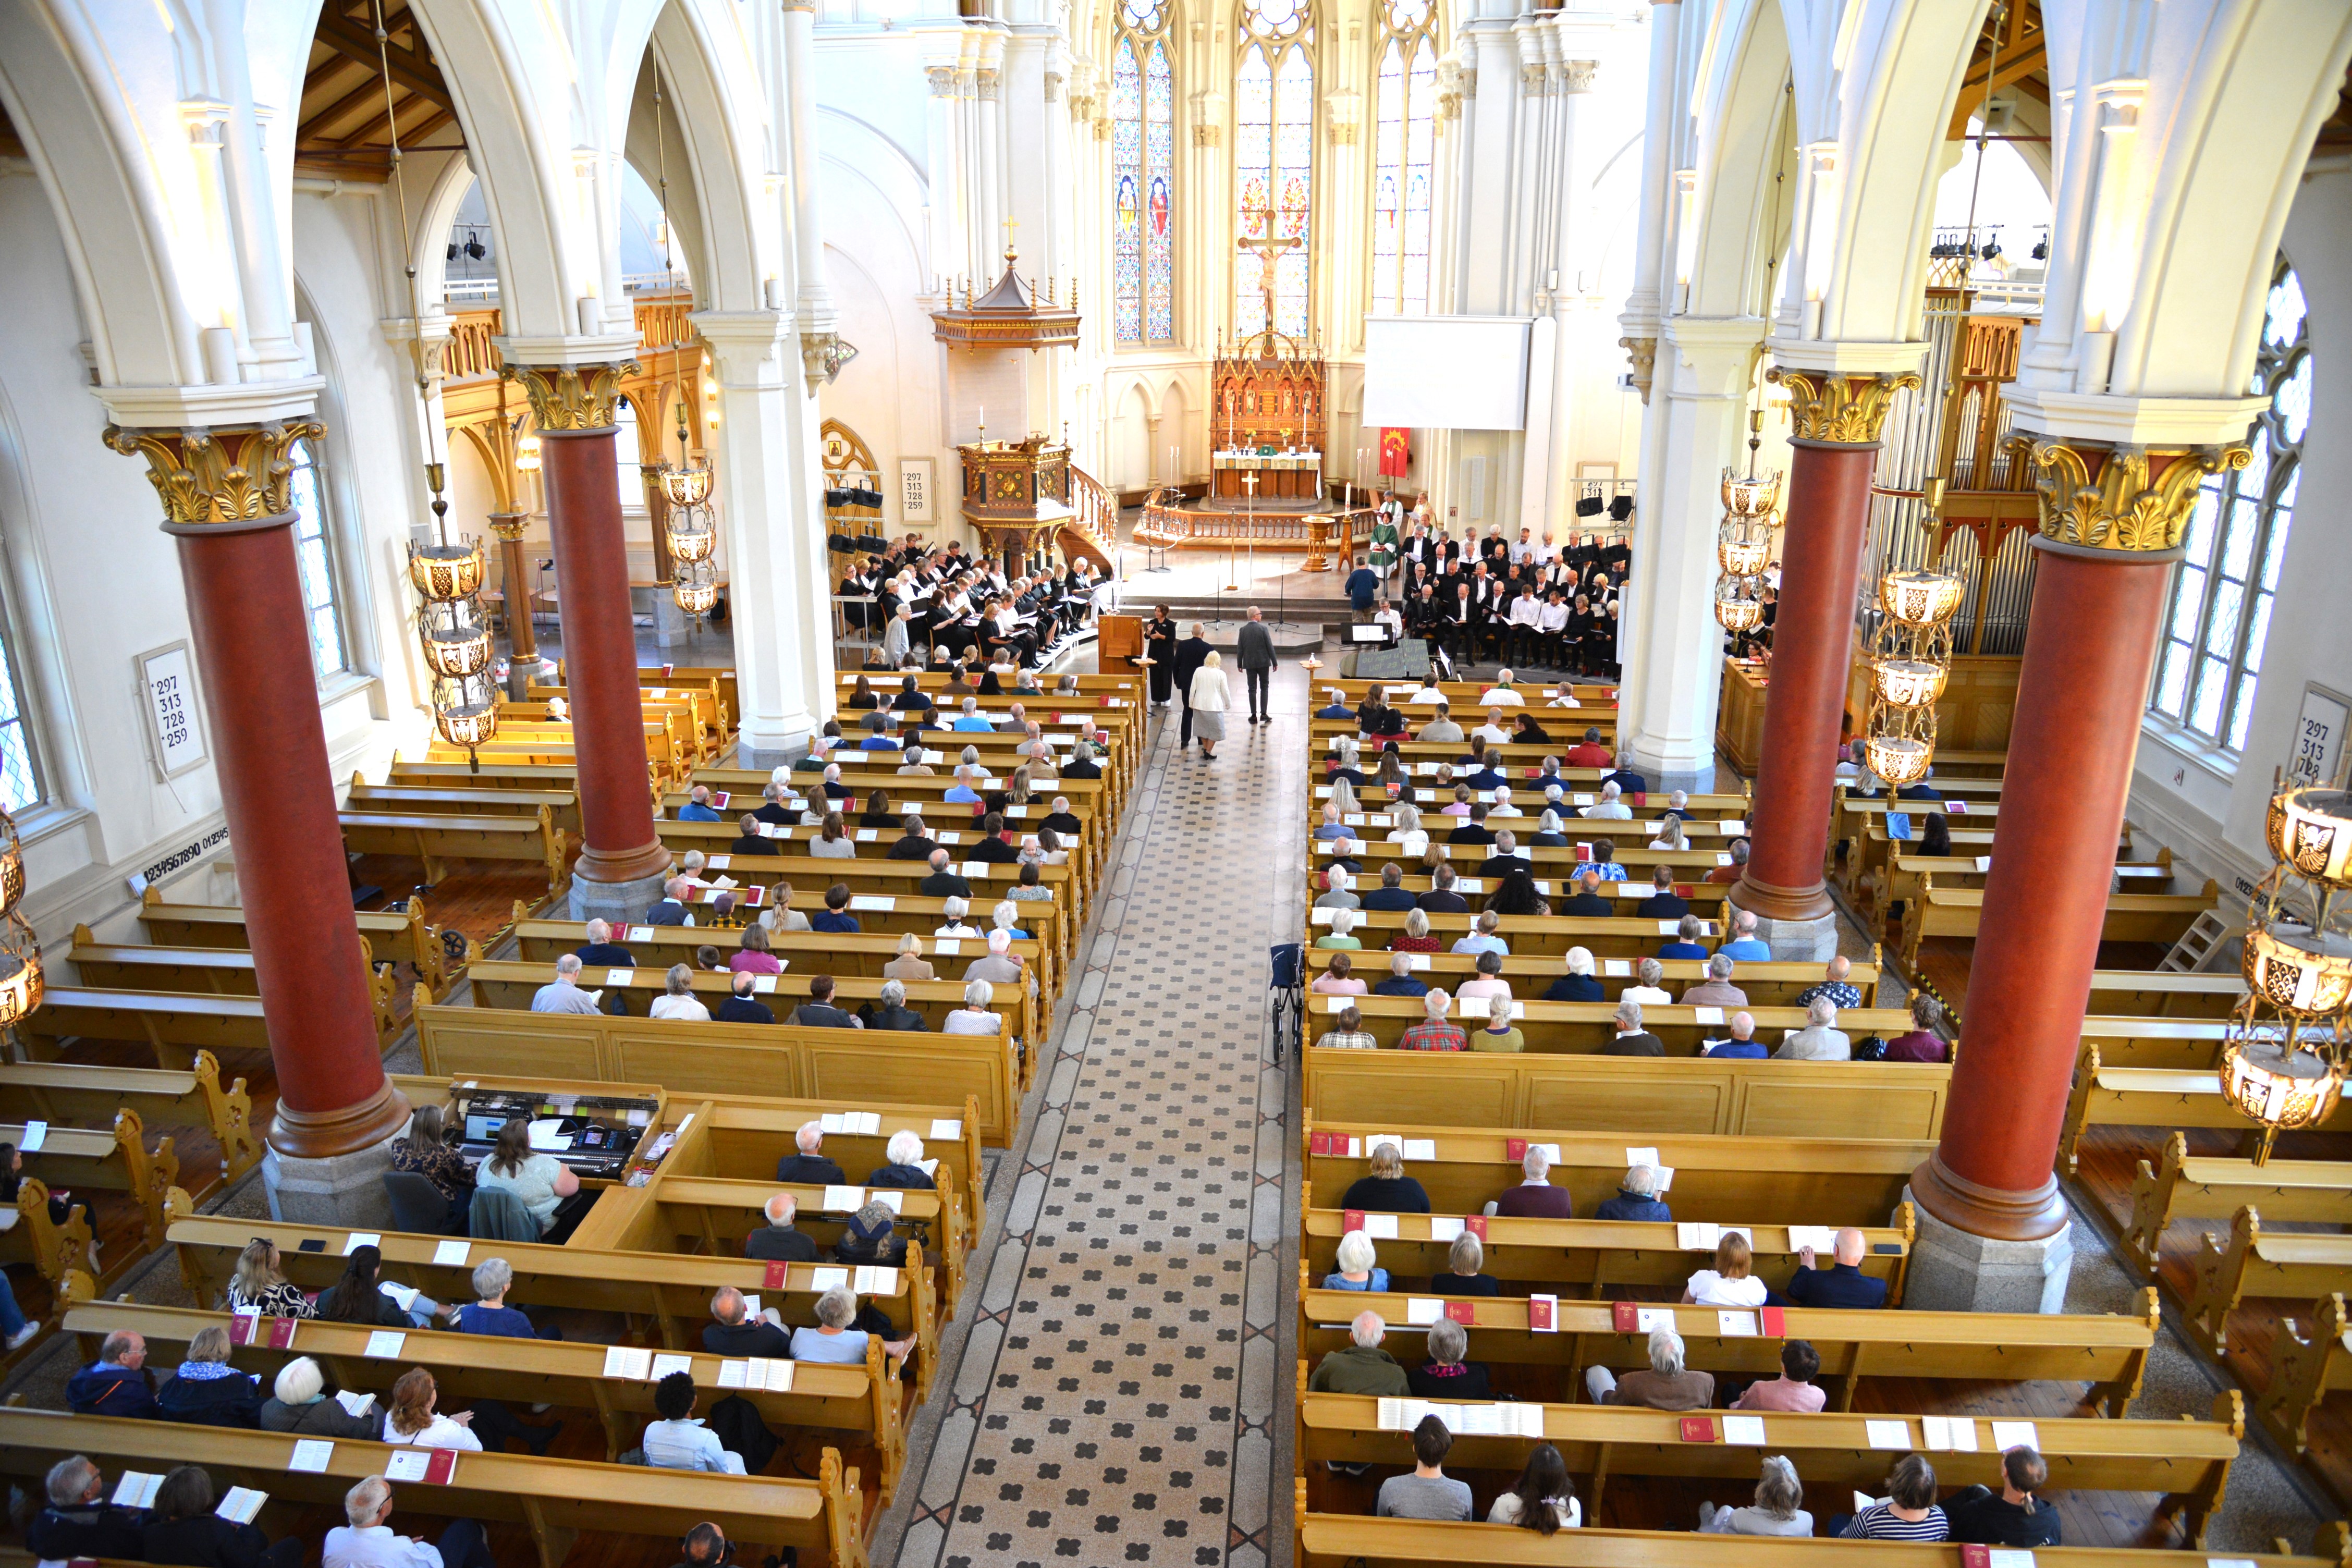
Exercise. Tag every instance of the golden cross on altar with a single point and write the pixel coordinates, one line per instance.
(1268, 249)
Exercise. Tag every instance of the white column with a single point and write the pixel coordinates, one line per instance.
(946, 214)
(1698, 408)
(815, 304)
(776, 599)
(1575, 81)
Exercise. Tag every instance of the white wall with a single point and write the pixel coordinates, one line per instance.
(2209, 810)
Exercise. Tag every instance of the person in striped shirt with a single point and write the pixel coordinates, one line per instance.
(1910, 1512)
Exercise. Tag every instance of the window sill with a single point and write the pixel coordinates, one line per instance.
(2190, 747)
(46, 819)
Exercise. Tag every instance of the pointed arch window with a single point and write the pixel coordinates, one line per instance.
(20, 773)
(2236, 543)
(1404, 155)
(1273, 162)
(1143, 186)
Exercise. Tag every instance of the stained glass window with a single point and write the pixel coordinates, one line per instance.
(1404, 158)
(314, 552)
(1143, 187)
(1273, 162)
(2213, 657)
(20, 776)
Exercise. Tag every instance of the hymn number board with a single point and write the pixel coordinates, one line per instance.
(175, 734)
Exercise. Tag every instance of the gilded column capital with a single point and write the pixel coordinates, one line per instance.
(509, 525)
(2096, 497)
(570, 398)
(205, 476)
(1849, 410)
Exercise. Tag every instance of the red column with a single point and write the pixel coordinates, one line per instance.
(600, 656)
(1812, 645)
(252, 642)
(2081, 690)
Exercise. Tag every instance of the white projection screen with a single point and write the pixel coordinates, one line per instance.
(1446, 373)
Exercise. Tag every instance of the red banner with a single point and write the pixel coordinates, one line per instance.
(1396, 451)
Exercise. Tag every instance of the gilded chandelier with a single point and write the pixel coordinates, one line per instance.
(2282, 1058)
(1910, 661)
(1743, 548)
(20, 955)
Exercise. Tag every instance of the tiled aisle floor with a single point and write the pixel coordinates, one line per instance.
(1112, 1385)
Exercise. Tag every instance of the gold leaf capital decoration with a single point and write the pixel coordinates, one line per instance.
(218, 476)
(1847, 409)
(2122, 509)
(572, 398)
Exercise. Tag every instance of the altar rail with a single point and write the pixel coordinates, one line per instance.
(1181, 529)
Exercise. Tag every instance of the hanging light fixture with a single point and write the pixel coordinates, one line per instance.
(1743, 540)
(455, 633)
(1910, 661)
(2282, 1055)
(526, 459)
(686, 483)
(20, 955)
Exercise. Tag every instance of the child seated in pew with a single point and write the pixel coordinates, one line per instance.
(1775, 1511)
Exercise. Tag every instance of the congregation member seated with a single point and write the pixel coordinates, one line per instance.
(944, 882)
(1627, 779)
(675, 1441)
(413, 1420)
(915, 841)
(1689, 929)
(1445, 1375)
(206, 1391)
(1777, 1510)
(1835, 986)
(1842, 1284)
(956, 926)
(183, 1529)
(563, 993)
(1586, 903)
(733, 1331)
(1485, 936)
(1666, 1385)
(742, 1007)
(975, 1016)
(778, 1241)
(1535, 1197)
(998, 965)
(1339, 979)
(870, 1237)
(1637, 1198)
(366, 1538)
(1402, 981)
(833, 1339)
(1577, 985)
(1663, 903)
(1604, 861)
(1341, 895)
(359, 1296)
(1442, 728)
(77, 1520)
(750, 841)
(299, 1403)
(1743, 1046)
(1428, 1493)
(889, 1011)
(1821, 1040)
(1631, 1039)
(544, 1186)
(1360, 1366)
(1355, 1265)
(1744, 944)
(259, 1285)
(1922, 1044)
(1732, 1281)
(1391, 894)
(118, 1383)
(677, 1000)
(1543, 1499)
(1910, 1512)
(1347, 1033)
(426, 1152)
(2012, 1517)
(1738, 849)
(1608, 808)
(670, 909)
(836, 917)
(1388, 1190)
(1716, 990)
(1435, 1032)
(1499, 1033)
(1441, 898)
(1343, 931)
(904, 1155)
(1466, 1261)
(819, 1013)
(1794, 1389)
(809, 1167)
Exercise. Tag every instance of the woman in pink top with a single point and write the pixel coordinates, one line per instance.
(1793, 1390)
(1337, 981)
(754, 955)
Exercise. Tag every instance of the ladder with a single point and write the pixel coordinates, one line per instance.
(2197, 945)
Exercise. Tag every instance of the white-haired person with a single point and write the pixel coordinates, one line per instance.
(299, 1404)
(1535, 1197)
(1577, 984)
(905, 1166)
(910, 964)
(808, 1165)
(998, 965)
(1668, 1384)
(1609, 806)
(1209, 695)
(1821, 1040)
(366, 1540)
(1548, 834)
(1355, 1265)
(1342, 934)
(1342, 895)
(954, 924)
(677, 999)
(779, 1240)
(976, 1017)
(1778, 1508)
(1006, 916)
(1387, 1190)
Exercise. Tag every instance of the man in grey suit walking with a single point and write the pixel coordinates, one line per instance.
(1258, 660)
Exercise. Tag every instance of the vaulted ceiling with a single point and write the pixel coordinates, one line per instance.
(347, 117)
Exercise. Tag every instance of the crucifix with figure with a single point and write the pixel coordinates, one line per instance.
(1269, 247)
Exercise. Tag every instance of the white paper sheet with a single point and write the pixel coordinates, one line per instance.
(663, 1365)
(1744, 1430)
(360, 1238)
(408, 1463)
(1888, 1434)
(1736, 1325)
(627, 1362)
(2007, 1435)
(829, 1279)
(1381, 1226)
(843, 1200)
(1420, 1312)
(136, 1489)
(384, 1344)
(312, 1454)
(452, 1254)
(36, 1134)
(241, 1504)
(1445, 1228)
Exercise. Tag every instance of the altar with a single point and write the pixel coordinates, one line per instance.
(1282, 476)
(1267, 407)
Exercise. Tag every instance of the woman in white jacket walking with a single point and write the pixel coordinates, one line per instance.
(1211, 697)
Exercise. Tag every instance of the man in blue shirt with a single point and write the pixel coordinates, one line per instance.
(962, 791)
(1841, 994)
(1636, 1199)
(1400, 980)
(880, 738)
(971, 721)
(698, 806)
(1391, 894)
(1577, 985)
(1842, 1285)
(1745, 945)
(834, 916)
(1663, 903)
(1363, 587)
(1743, 1044)
(1685, 942)
(1627, 781)
(1337, 708)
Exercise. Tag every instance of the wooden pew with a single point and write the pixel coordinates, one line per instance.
(1628, 937)
(2304, 1372)
(2163, 993)
(1908, 873)
(2142, 1097)
(2176, 1044)
(205, 971)
(1464, 694)
(860, 1400)
(510, 987)
(1358, 1541)
(1722, 1179)
(70, 1092)
(836, 1066)
(1590, 1257)
(2202, 1187)
(2252, 1262)
(2187, 1461)
(713, 1217)
(393, 936)
(671, 1288)
(2158, 918)
(1767, 984)
(562, 804)
(720, 679)
(1583, 1027)
(56, 1251)
(2107, 1350)
(1626, 1095)
(1091, 802)
(173, 1023)
(115, 1159)
(829, 952)
(1375, 824)
(874, 843)
(492, 775)
(555, 1500)
(1552, 867)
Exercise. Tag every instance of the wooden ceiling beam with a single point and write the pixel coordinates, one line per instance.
(315, 125)
(414, 71)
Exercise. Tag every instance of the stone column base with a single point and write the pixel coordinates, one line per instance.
(340, 1190)
(1953, 1271)
(522, 674)
(623, 903)
(1799, 941)
(670, 623)
(748, 756)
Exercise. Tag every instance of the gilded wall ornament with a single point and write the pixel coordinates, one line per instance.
(1643, 354)
(1849, 410)
(218, 476)
(2122, 509)
(570, 398)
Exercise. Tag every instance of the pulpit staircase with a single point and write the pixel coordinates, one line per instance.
(1093, 533)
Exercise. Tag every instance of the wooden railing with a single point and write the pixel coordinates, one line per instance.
(470, 356)
(1097, 519)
